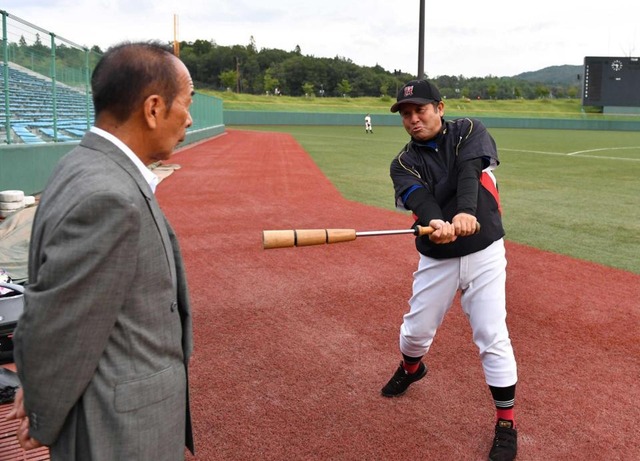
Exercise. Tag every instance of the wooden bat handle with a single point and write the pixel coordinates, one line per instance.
(428, 230)
(305, 237)
(422, 230)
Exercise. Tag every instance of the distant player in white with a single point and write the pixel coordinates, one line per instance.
(367, 124)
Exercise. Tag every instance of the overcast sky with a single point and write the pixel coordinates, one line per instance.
(472, 38)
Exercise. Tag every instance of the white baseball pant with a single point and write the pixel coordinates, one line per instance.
(481, 278)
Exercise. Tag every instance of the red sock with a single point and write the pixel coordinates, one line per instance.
(508, 414)
(410, 368)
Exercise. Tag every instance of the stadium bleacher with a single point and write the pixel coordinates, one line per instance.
(31, 114)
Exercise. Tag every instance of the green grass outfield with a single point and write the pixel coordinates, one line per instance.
(571, 192)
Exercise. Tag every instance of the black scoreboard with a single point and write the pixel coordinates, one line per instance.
(610, 81)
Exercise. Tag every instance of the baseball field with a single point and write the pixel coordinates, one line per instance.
(292, 345)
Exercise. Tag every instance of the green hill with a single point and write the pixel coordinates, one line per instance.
(554, 75)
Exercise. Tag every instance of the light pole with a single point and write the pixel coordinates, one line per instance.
(421, 42)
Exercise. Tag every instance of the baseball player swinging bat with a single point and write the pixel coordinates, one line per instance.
(306, 237)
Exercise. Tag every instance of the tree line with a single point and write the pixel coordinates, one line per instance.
(245, 69)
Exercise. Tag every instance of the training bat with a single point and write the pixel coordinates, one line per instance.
(306, 237)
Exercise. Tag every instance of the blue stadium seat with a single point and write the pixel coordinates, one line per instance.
(31, 108)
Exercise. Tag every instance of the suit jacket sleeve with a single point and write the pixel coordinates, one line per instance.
(86, 262)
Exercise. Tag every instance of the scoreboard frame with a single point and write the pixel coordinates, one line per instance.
(611, 82)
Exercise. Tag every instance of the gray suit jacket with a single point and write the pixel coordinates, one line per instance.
(103, 344)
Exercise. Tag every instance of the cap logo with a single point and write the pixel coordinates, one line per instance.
(408, 91)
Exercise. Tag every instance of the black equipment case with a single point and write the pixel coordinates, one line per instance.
(11, 307)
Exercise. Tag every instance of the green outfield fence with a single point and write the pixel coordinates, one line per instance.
(46, 106)
(243, 117)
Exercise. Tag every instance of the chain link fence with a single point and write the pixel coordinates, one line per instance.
(45, 82)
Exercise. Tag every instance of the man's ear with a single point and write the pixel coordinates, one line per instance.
(153, 107)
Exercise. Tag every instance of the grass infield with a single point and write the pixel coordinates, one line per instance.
(575, 193)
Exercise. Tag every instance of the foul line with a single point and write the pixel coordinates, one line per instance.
(581, 153)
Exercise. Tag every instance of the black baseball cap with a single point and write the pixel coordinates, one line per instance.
(416, 92)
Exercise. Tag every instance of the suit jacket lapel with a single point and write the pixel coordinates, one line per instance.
(95, 142)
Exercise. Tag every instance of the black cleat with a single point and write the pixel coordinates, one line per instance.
(505, 442)
(401, 380)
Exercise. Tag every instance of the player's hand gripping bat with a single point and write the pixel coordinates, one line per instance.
(306, 237)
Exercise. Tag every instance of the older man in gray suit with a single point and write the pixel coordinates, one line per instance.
(103, 345)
